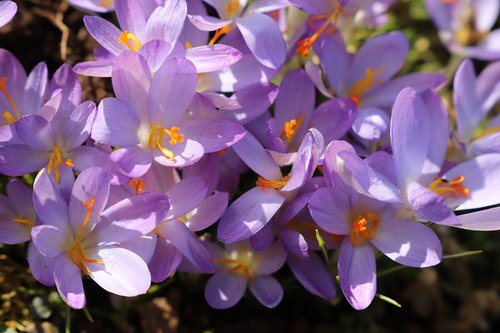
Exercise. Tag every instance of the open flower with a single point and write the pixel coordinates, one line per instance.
(81, 237)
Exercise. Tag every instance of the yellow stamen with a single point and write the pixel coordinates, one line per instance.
(363, 228)
(219, 33)
(105, 3)
(126, 37)
(306, 44)
(277, 185)
(442, 187)
(24, 221)
(291, 127)
(157, 134)
(175, 137)
(362, 86)
(76, 253)
(11, 117)
(54, 161)
(240, 262)
(188, 45)
(232, 6)
(137, 184)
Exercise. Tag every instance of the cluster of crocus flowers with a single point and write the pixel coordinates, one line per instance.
(134, 188)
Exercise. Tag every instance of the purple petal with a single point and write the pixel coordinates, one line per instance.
(371, 124)
(49, 240)
(314, 73)
(267, 290)
(313, 275)
(213, 58)
(248, 214)
(7, 11)
(35, 90)
(408, 243)
(214, 134)
(208, 212)
(428, 205)
(68, 278)
(21, 198)
(185, 153)
(155, 52)
(223, 290)
(484, 220)
(165, 260)
(358, 277)
(77, 127)
(466, 101)
(334, 118)
(99, 68)
(132, 161)
(104, 33)
(36, 132)
(264, 39)
(166, 22)
(12, 232)
(185, 196)
(130, 16)
(330, 210)
(40, 266)
(270, 260)
(207, 23)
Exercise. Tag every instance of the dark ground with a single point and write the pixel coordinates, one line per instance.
(461, 295)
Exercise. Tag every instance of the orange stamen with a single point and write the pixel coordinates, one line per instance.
(219, 152)
(291, 127)
(175, 137)
(24, 221)
(137, 184)
(8, 116)
(105, 3)
(54, 161)
(219, 33)
(305, 44)
(188, 45)
(157, 134)
(277, 185)
(362, 86)
(232, 6)
(126, 37)
(363, 228)
(442, 187)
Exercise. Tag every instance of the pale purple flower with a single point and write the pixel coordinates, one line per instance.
(79, 236)
(7, 11)
(239, 266)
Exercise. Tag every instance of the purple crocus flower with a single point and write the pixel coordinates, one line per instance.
(369, 81)
(149, 117)
(464, 26)
(7, 11)
(154, 35)
(260, 31)
(368, 223)
(238, 266)
(79, 236)
(474, 98)
(255, 208)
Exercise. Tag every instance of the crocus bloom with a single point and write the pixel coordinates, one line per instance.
(474, 98)
(149, 118)
(238, 266)
(80, 236)
(7, 11)
(154, 35)
(369, 81)
(464, 26)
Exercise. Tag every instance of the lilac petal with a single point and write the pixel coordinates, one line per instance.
(172, 89)
(483, 220)
(91, 187)
(366, 180)
(86, 157)
(224, 290)
(132, 161)
(130, 16)
(212, 58)
(332, 164)
(186, 242)
(49, 240)
(77, 128)
(410, 133)
(263, 38)
(392, 48)
(371, 124)
(466, 101)
(336, 68)
(116, 124)
(208, 212)
(408, 243)
(144, 246)
(334, 118)
(264, 238)
(11, 67)
(315, 7)
(314, 73)
(313, 275)
(12, 232)
(50, 204)
(383, 163)
(98, 68)
(294, 242)
(329, 209)
(257, 158)
(41, 267)
(66, 79)
(21, 198)
(486, 145)
(132, 217)
(123, 273)
(105, 33)
(384, 96)
(35, 90)
(488, 87)
(7, 11)
(358, 277)
(36, 132)
(68, 279)
(165, 260)
(131, 81)
(248, 214)
(271, 259)
(267, 290)
(486, 13)
(264, 6)
(92, 5)
(155, 52)
(185, 196)
(428, 205)
(166, 22)
(214, 134)
(185, 153)
(207, 23)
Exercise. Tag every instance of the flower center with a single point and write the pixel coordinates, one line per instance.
(54, 161)
(137, 184)
(130, 40)
(8, 116)
(232, 6)
(454, 187)
(277, 185)
(76, 252)
(363, 228)
(240, 261)
(305, 44)
(157, 134)
(291, 127)
(363, 85)
(219, 33)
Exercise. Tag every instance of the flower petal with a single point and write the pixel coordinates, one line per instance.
(267, 290)
(68, 279)
(224, 290)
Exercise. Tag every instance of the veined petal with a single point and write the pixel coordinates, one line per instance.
(166, 22)
(267, 290)
(49, 240)
(208, 212)
(212, 58)
(35, 89)
(185, 196)
(313, 275)
(104, 33)
(41, 267)
(132, 161)
(98, 68)
(330, 210)
(165, 260)
(466, 101)
(428, 205)
(214, 134)
(36, 132)
(224, 290)
(131, 17)
(68, 278)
